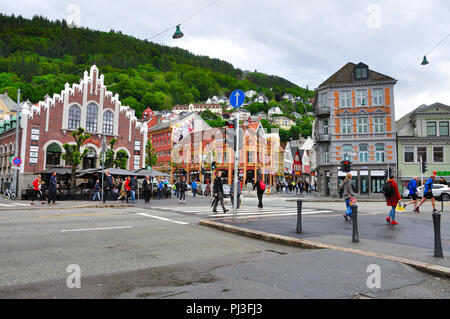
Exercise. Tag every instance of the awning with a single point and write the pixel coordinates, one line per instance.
(59, 170)
(149, 172)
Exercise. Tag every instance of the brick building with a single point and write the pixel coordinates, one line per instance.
(46, 126)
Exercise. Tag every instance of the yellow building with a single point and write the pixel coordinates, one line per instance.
(7, 107)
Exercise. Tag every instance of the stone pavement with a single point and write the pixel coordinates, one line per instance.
(411, 242)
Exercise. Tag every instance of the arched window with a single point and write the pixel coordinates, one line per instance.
(108, 122)
(90, 160)
(53, 155)
(91, 117)
(74, 117)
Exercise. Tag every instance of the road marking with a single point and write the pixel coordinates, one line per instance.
(74, 215)
(102, 228)
(162, 218)
(6, 205)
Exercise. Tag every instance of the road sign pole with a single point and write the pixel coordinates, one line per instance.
(236, 168)
(16, 147)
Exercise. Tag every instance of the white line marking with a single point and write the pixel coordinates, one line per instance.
(269, 214)
(162, 218)
(22, 204)
(6, 205)
(102, 228)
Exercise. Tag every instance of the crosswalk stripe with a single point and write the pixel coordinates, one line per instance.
(6, 205)
(242, 215)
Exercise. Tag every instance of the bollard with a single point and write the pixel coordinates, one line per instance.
(437, 236)
(355, 235)
(299, 215)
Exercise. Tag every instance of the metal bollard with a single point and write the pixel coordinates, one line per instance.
(355, 235)
(299, 215)
(437, 236)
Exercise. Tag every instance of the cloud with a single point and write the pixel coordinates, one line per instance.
(302, 41)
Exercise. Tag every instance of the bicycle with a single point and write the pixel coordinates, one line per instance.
(9, 194)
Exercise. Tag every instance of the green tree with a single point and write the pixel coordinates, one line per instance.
(150, 154)
(73, 155)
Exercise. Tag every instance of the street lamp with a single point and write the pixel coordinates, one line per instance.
(178, 34)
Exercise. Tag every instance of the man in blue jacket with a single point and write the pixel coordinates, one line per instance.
(109, 186)
(428, 194)
(52, 189)
(412, 189)
(194, 188)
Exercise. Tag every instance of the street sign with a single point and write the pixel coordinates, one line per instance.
(237, 98)
(17, 161)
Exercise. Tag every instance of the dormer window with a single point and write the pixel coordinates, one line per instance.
(361, 72)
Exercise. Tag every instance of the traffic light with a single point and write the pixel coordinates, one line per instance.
(231, 124)
(213, 165)
(424, 167)
(391, 172)
(346, 166)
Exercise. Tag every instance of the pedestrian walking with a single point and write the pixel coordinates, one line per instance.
(160, 189)
(133, 189)
(428, 194)
(392, 195)
(128, 188)
(239, 192)
(147, 188)
(37, 189)
(194, 188)
(109, 186)
(183, 188)
(260, 188)
(306, 187)
(412, 192)
(218, 193)
(97, 190)
(43, 190)
(122, 191)
(347, 190)
(53, 185)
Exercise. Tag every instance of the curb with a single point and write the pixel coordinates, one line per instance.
(307, 244)
(66, 207)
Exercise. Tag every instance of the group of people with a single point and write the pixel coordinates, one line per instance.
(300, 186)
(40, 190)
(392, 196)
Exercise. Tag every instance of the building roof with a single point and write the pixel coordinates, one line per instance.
(345, 76)
(9, 103)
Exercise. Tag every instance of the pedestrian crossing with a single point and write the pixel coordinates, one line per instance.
(12, 204)
(245, 212)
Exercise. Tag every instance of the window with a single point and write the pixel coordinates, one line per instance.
(91, 117)
(363, 127)
(249, 157)
(443, 129)
(324, 99)
(377, 96)
(325, 127)
(326, 155)
(422, 153)
(431, 128)
(363, 153)
(379, 124)
(108, 123)
(346, 126)
(74, 117)
(361, 97)
(346, 98)
(53, 155)
(438, 154)
(409, 154)
(347, 149)
(379, 153)
(91, 159)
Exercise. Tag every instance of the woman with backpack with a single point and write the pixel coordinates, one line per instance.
(260, 188)
(392, 195)
(347, 190)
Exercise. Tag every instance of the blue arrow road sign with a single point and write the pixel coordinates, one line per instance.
(237, 98)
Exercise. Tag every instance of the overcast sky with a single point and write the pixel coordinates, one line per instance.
(302, 41)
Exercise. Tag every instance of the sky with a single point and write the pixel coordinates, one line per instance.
(303, 41)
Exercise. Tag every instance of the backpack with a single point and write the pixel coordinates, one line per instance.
(262, 186)
(387, 190)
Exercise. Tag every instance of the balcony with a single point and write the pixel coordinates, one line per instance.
(322, 111)
(324, 137)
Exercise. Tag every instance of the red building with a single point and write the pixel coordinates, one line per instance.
(46, 126)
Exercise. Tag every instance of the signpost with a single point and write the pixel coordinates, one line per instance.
(236, 100)
(17, 161)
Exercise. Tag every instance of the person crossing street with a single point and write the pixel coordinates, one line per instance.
(392, 195)
(218, 193)
(260, 189)
(412, 189)
(428, 194)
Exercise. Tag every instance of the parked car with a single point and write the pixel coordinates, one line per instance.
(226, 190)
(440, 192)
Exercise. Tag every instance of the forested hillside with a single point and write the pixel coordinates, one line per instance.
(39, 56)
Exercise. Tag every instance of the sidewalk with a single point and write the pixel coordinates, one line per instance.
(411, 242)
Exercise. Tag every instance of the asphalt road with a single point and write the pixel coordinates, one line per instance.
(160, 251)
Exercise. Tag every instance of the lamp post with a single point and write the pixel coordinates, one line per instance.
(16, 147)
